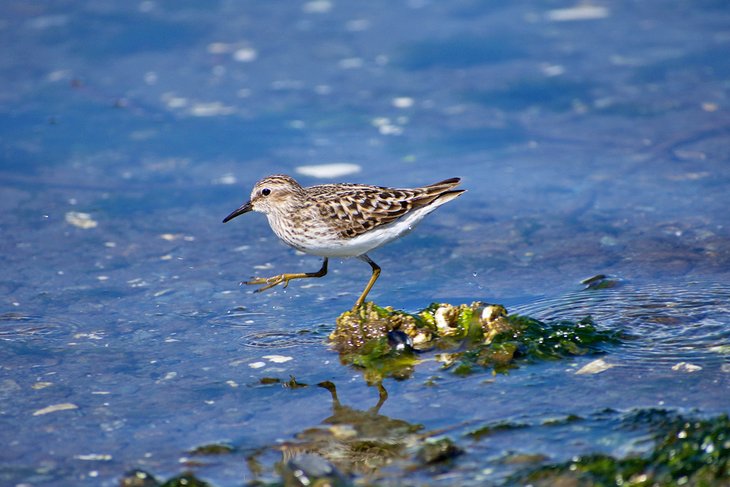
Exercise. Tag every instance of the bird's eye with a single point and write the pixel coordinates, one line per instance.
(266, 192)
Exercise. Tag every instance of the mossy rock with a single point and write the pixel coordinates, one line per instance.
(470, 336)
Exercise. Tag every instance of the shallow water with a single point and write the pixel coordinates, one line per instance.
(590, 140)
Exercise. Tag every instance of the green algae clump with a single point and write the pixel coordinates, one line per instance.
(688, 452)
(387, 343)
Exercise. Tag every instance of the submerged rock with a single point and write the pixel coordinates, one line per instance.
(437, 451)
(212, 449)
(138, 478)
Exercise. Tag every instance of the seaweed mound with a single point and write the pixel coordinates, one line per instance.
(387, 342)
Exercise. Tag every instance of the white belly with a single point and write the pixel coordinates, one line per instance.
(366, 242)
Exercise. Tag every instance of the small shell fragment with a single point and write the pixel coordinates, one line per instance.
(54, 408)
(595, 367)
(80, 220)
(278, 359)
(686, 367)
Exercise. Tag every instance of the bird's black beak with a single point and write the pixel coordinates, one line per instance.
(245, 208)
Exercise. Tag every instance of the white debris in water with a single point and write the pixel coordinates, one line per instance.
(686, 367)
(245, 55)
(579, 12)
(390, 130)
(90, 336)
(173, 101)
(351, 63)
(211, 109)
(595, 367)
(317, 7)
(386, 127)
(721, 349)
(55, 407)
(81, 220)
(357, 25)
(403, 102)
(226, 179)
(551, 70)
(334, 170)
(58, 75)
(95, 457)
(278, 359)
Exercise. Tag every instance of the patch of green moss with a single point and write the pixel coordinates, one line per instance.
(490, 429)
(212, 449)
(689, 452)
(185, 480)
(601, 281)
(544, 341)
(269, 380)
(379, 360)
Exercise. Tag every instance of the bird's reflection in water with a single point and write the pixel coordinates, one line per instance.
(350, 441)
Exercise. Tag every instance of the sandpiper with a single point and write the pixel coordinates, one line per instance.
(340, 220)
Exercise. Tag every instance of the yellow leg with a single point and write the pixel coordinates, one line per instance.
(285, 278)
(373, 278)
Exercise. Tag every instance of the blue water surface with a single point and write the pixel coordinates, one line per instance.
(593, 138)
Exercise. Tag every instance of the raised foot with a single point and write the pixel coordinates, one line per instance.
(269, 281)
(285, 278)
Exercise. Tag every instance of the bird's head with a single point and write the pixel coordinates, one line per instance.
(271, 195)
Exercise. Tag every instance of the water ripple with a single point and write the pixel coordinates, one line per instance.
(236, 318)
(21, 327)
(669, 324)
(279, 339)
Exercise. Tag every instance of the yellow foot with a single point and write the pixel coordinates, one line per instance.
(269, 281)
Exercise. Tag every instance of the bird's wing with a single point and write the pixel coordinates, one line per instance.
(357, 209)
